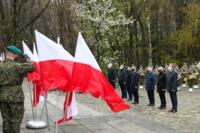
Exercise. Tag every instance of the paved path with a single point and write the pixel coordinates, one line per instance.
(95, 117)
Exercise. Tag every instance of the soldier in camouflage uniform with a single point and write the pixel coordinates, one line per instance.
(11, 93)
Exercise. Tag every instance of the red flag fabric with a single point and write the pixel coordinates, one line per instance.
(88, 77)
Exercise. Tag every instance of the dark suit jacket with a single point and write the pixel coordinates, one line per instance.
(122, 76)
(171, 84)
(111, 75)
(134, 83)
(161, 83)
(128, 79)
(150, 81)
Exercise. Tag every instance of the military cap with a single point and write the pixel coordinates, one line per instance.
(13, 49)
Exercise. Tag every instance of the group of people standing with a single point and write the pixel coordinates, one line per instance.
(162, 78)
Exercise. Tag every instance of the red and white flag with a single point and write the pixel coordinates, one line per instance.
(56, 66)
(35, 76)
(40, 93)
(88, 77)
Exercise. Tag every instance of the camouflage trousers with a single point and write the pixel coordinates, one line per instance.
(12, 115)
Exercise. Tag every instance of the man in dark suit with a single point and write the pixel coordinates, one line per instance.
(111, 75)
(128, 83)
(161, 87)
(121, 81)
(150, 85)
(134, 85)
(171, 86)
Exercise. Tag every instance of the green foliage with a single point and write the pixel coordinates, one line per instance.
(120, 31)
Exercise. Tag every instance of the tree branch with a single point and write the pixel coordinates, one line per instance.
(34, 19)
(2, 10)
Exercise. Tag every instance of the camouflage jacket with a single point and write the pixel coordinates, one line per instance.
(12, 74)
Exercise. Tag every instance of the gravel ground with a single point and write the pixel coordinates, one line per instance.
(187, 118)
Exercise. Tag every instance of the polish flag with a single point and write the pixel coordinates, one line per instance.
(88, 77)
(34, 77)
(56, 66)
(38, 88)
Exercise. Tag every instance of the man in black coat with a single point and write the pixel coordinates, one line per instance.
(134, 85)
(171, 86)
(111, 75)
(161, 87)
(150, 85)
(121, 81)
(128, 82)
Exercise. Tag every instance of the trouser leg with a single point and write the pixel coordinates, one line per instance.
(136, 96)
(5, 113)
(130, 93)
(173, 96)
(162, 99)
(149, 96)
(122, 92)
(12, 114)
(125, 91)
(152, 99)
(175, 101)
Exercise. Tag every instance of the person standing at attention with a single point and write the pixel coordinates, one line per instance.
(150, 85)
(111, 75)
(171, 87)
(161, 87)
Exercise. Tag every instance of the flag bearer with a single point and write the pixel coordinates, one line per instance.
(11, 93)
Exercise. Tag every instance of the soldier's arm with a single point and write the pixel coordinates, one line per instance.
(26, 67)
(1, 74)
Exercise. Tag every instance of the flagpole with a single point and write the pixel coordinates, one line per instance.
(56, 111)
(41, 115)
(35, 109)
(58, 41)
(35, 124)
(31, 102)
(47, 116)
(66, 105)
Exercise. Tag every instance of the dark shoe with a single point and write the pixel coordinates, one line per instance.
(135, 103)
(163, 107)
(173, 110)
(160, 107)
(129, 100)
(152, 105)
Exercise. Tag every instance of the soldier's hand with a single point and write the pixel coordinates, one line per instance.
(26, 57)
